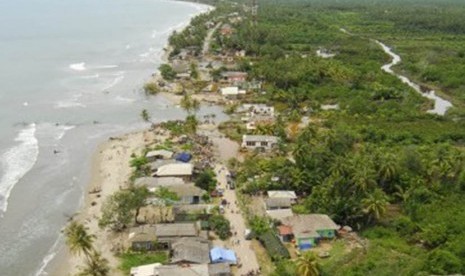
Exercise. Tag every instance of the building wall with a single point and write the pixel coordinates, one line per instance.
(327, 234)
(306, 243)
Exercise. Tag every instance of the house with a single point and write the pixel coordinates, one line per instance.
(158, 269)
(307, 230)
(219, 269)
(167, 233)
(226, 30)
(259, 141)
(145, 270)
(222, 255)
(158, 154)
(279, 214)
(190, 251)
(155, 213)
(232, 91)
(153, 183)
(142, 238)
(234, 76)
(183, 170)
(277, 203)
(188, 193)
(160, 162)
(183, 76)
(285, 233)
(184, 157)
(283, 194)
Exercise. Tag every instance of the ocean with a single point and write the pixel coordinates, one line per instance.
(71, 74)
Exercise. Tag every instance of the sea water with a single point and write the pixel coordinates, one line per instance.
(71, 74)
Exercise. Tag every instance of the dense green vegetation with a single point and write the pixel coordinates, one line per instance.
(380, 163)
(129, 260)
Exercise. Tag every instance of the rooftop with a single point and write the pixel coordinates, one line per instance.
(260, 138)
(176, 230)
(279, 214)
(308, 225)
(219, 269)
(282, 194)
(278, 203)
(142, 234)
(186, 190)
(166, 154)
(158, 269)
(233, 90)
(191, 250)
(153, 183)
(177, 169)
(284, 230)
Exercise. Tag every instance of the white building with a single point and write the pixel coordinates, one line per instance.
(232, 91)
(259, 141)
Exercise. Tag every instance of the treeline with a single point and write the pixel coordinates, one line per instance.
(380, 163)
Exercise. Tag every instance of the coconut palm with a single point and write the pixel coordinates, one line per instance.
(96, 265)
(375, 205)
(364, 178)
(307, 265)
(78, 240)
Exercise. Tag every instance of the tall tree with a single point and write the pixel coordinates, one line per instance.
(375, 205)
(96, 265)
(307, 265)
(78, 240)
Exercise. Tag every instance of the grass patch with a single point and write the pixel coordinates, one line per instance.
(129, 260)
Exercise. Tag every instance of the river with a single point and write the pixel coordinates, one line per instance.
(440, 105)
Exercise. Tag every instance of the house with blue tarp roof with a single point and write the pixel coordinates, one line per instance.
(184, 157)
(222, 255)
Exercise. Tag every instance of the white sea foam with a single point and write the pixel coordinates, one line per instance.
(105, 66)
(119, 77)
(78, 66)
(62, 130)
(95, 76)
(69, 104)
(25, 104)
(17, 161)
(124, 99)
(48, 258)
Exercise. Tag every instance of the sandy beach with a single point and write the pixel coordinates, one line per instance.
(110, 172)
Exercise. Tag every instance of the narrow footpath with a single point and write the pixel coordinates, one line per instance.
(208, 38)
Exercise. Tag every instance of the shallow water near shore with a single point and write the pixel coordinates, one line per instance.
(70, 76)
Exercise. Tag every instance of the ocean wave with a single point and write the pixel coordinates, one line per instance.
(115, 81)
(48, 258)
(124, 100)
(95, 76)
(17, 162)
(112, 66)
(78, 66)
(62, 129)
(69, 104)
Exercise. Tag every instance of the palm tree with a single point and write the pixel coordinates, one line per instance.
(364, 178)
(387, 170)
(78, 240)
(96, 265)
(375, 205)
(307, 265)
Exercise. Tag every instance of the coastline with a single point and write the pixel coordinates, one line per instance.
(110, 171)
